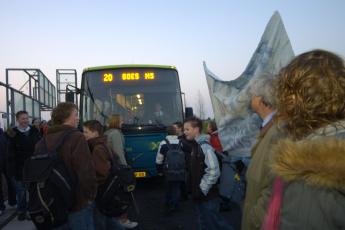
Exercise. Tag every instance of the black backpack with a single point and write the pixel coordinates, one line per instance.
(50, 185)
(175, 163)
(114, 195)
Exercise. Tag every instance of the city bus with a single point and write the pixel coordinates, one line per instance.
(148, 98)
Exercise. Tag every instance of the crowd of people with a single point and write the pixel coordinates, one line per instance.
(295, 178)
(86, 155)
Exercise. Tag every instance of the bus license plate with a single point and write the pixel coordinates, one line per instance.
(140, 174)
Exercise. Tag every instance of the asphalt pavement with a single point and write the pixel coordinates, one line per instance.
(149, 197)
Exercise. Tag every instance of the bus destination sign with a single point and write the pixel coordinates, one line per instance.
(129, 76)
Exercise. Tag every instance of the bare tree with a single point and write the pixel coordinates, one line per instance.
(200, 105)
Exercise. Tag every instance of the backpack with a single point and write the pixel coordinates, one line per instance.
(114, 195)
(50, 185)
(231, 183)
(175, 163)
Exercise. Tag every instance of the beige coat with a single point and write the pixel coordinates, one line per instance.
(259, 178)
(117, 143)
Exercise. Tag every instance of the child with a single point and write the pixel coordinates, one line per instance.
(203, 175)
(170, 160)
(214, 138)
(101, 155)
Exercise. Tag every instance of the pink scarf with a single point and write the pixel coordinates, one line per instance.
(272, 218)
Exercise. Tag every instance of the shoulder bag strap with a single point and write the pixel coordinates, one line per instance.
(168, 143)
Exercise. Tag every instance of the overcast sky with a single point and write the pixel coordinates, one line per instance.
(77, 34)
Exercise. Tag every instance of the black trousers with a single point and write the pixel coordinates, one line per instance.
(11, 192)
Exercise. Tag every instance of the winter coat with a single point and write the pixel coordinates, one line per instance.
(187, 147)
(101, 156)
(313, 171)
(3, 150)
(117, 143)
(21, 147)
(259, 178)
(78, 160)
(204, 171)
(215, 142)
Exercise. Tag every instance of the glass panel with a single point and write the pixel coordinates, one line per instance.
(36, 109)
(88, 108)
(41, 80)
(46, 99)
(51, 101)
(35, 93)
(18, 102)
(41, 99)
(46, 84)
(28, 105)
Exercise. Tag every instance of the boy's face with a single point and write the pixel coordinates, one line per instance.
(177, 129)
(73, 119)
(23, 120)
(89, 134)
(190, 131)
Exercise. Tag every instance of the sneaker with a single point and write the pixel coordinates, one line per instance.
(129, 224)
(21, 216)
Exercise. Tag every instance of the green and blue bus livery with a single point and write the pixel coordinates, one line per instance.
(148, 98)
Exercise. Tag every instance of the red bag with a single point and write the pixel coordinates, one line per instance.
(272, 218)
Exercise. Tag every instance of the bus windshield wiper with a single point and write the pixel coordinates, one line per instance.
(94, 102)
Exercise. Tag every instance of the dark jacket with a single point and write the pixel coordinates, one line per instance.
(3, 150)
(21, 147)
(101, 156)
(204, 171)
(78, 160)
(187, 148)
(313, 171)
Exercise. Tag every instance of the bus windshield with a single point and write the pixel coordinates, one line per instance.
(142, 96)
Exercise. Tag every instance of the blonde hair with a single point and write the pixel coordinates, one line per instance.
(114, 121)
(311, 92)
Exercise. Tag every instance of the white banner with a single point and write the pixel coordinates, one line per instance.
(237, 124)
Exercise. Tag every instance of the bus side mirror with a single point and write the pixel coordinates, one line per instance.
(188, 112)
(69, 97)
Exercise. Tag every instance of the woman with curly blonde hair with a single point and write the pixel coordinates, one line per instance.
(309, 192)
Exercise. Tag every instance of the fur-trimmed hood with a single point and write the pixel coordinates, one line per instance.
(318, 161)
